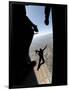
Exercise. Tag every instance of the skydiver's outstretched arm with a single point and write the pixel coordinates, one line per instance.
(36, 51)
(45, 47)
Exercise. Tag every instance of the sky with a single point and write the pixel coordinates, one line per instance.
(37, 16)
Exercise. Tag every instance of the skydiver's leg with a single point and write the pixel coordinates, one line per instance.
(39, 63)
(43, 61)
